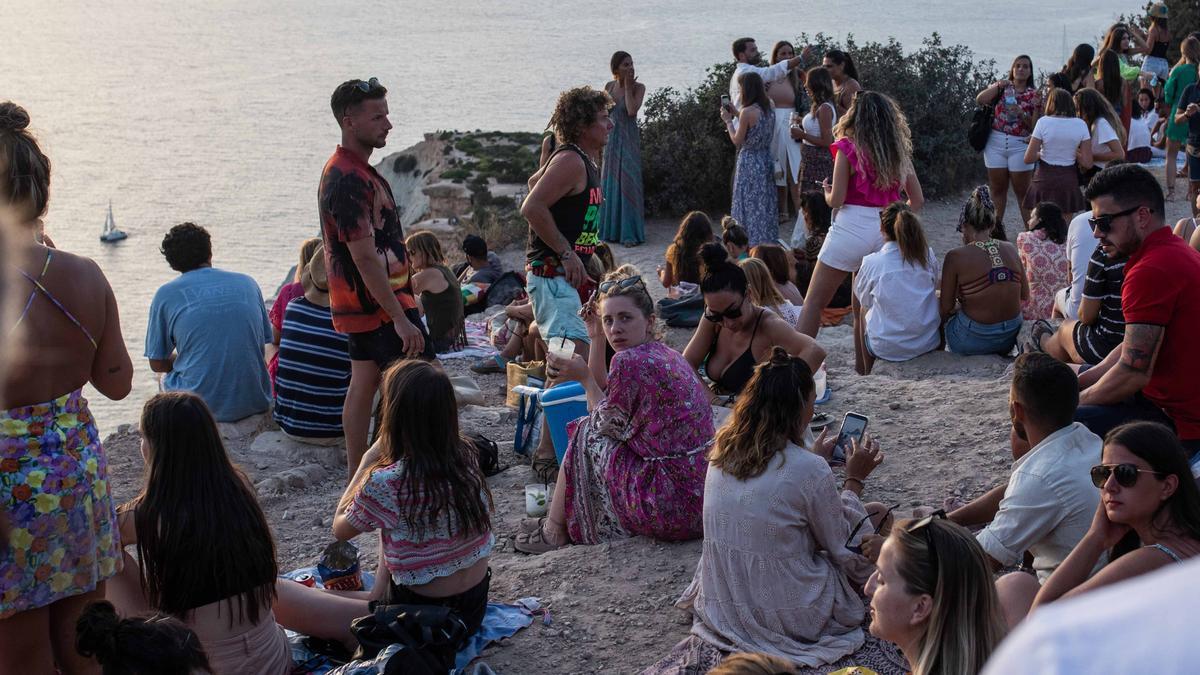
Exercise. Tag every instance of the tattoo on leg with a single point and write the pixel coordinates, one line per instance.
(1140, 346)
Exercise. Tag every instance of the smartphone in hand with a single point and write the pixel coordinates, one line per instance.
(854, 426)
(725, 101)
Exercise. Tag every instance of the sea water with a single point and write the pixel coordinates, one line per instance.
(217, 112)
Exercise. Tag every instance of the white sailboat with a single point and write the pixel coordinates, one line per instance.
(110, 233)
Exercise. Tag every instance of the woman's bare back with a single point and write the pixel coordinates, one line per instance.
(983, 301)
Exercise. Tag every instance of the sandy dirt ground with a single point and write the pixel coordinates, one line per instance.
(941, 419)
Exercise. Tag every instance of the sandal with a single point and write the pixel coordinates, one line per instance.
(545, 469)
(1041, 329)
(535, 543)
(531, 525)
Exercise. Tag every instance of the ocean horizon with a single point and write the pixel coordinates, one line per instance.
(218, 112)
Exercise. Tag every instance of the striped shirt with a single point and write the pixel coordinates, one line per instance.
(314, 372)
(1104, 279)
(412, 560)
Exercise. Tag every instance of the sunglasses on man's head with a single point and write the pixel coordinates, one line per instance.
(1126, 474)
(627, 282)
(1103, 222)
(734, 311)
(366, 87)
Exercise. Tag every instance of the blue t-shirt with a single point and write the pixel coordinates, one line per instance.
(314, 372)
(217, 324)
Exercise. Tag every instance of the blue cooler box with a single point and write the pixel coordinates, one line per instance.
(561, 404)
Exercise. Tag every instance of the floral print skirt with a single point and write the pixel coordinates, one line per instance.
(63, 538)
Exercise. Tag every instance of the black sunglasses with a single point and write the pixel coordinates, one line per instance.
(1103, 223)
(858, 549)
(734, 311)
(1127, 474)
(366, 87)
(627, 282)
(923, 526)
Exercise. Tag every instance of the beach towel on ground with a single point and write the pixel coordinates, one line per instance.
(478, 343)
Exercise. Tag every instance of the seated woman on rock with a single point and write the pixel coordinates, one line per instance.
(683, 255)
(438, 292)
(895, 294)
(932, 595)
(779, 572)
(737, 334)
(635, 465)
(735, 239)
(421, 487)
(782, 265)
(983, 284)
(764, 292)
(205, 553)
(1148, 518)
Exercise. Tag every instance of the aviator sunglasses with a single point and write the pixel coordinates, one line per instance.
(731, 312)
(1126, 474)
(1103, 223)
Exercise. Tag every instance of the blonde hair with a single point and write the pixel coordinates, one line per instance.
(745, 663)
(965, 623)
(307, 249)
(1189, 52)
(881, 135)
(637, 293)
(426, 243)
(763, 291)
(765, 417)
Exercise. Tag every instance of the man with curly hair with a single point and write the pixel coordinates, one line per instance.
(563, 210)
(207, 330)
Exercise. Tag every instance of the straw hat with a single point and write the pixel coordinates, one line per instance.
(1158, 10)
(314, 279)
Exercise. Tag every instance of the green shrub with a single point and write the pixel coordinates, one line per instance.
(688, 160)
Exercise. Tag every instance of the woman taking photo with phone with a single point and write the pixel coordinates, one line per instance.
(1017, 104)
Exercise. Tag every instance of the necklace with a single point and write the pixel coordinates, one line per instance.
(589, 157)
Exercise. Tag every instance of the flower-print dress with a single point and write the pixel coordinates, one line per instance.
(1046, 268)
(636, 464)
(755, 205)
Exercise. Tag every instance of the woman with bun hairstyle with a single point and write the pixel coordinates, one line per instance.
(141, 645)
(735, 239)
(59, 540)
(737, 334)
(872, 166)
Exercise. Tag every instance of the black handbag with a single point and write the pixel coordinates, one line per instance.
(981, 125)
(431, 637)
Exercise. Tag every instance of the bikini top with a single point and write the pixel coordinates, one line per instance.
(999, 272)
(737, 373)
(1164, 549)
(38, 287)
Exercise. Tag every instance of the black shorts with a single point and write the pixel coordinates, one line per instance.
(384, 347)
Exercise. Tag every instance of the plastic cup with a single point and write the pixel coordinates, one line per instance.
(537, 501)
(561, 348)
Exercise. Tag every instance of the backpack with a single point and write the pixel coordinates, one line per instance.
(509, 287)
(488, 453)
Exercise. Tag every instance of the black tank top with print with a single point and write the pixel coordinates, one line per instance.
(577, 217)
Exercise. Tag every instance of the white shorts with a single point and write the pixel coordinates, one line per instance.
(1006, 152)
(854, 235)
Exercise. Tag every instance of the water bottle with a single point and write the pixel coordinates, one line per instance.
(1153, 81)
(1010, 96)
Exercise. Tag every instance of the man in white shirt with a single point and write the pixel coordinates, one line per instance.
(745, 52)
(1080, 245)
(1049, 501)
(1143, 625)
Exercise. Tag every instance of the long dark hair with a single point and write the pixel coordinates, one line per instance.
(902, 226)
(843, 59)
(778, 261)
(442, 479)
(1110, 82)
(137, 645)
(695, 230)
(754, 92)
(1051, 220)
(793, 76)
(27, 169)
(765, 417)
(720, 273)
(1080, 62)
(201, 534)
(1013, 69)
(820, 87)
(1159, 447)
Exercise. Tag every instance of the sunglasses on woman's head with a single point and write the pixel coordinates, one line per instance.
(627, 282)
(1126, 474)
(731, 312)
(366, 87)
(923, 526)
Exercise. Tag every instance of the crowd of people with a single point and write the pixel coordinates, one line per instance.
(714, 442)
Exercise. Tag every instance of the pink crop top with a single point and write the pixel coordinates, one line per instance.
(861, 191)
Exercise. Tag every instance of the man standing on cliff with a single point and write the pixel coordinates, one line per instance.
(370, 290)
(747, 56)
(563, 209)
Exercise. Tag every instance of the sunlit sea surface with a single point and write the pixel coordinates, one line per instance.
(218, 111)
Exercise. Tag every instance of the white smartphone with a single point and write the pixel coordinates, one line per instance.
(854, 426)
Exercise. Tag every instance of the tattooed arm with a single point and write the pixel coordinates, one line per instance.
(1132, 370)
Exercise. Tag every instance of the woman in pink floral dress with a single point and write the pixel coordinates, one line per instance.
(636, 464)
(1044, 258)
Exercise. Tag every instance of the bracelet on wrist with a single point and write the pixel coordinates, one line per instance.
(856, 480)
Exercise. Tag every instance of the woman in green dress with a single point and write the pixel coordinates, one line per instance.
(1183, 74)
(621, 214)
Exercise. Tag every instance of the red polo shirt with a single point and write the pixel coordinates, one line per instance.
(1162, 288)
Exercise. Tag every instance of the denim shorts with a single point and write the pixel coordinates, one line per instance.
(971, 338)
(556, 308)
